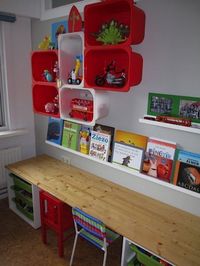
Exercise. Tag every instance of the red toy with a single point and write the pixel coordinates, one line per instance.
(81, 109)
(75, 20)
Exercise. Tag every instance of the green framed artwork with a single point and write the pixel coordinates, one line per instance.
(174, 105)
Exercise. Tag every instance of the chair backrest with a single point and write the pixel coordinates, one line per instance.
(89, 223)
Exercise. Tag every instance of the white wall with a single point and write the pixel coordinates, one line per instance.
(17, 39)
(171, 65)
(27, 8)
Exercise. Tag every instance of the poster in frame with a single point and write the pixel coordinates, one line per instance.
(57, 28)
(173, 105)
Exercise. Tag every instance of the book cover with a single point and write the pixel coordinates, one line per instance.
(99, 145)
(58, 28)
(131, 138)
(158, 167)
(55, 129)
(187, 176)
(106, 130)
(189, 157)
(84, 139)
(162, 148)
(70, 137)
(127, 155)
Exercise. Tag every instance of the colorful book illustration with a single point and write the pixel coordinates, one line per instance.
(189, 157)
(106, 130)
(58, 28)
(84, 139)
(55, 129)
(127, 155)
(131, 138)
(162, 148)
(99, 145)
(70, 137)
(187, 176)
(158, 160)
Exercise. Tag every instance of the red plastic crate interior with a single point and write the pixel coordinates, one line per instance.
(97, 60)
(42, 95)
(98, 14)
(43, 61)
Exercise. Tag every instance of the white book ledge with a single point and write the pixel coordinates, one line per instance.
(129, 171)
(195, 128)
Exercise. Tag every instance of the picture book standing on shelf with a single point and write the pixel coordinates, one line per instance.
(159, 156)
(55, 129)
(84, 139)
(99, 145)
(131, 138)
(70, 137)
(106, 130)
(127, 155)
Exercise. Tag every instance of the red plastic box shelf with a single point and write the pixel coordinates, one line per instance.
(43, 60)
(127, 62)
(42, 95)
(122, 11)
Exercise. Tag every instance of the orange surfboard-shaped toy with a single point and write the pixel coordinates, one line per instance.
(75, 20)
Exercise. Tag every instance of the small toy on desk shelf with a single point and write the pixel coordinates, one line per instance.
(47, 75)
(52, 107)
(111, 77)
(44, 45)
(74, 76)
(112, 33)
(81, 109)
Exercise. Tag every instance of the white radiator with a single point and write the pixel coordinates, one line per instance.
(7, 156)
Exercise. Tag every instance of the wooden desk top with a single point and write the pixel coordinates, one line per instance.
(167, 231)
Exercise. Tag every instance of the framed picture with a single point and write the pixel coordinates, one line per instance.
(128, 156)
(174, 105)
(56, 29)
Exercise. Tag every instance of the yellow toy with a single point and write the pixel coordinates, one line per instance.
(84, 142)
(45, 43)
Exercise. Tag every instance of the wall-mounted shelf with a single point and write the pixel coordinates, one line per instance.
(192, 129)
(129, 171)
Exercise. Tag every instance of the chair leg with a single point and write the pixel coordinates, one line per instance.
(73, 250)
(60, 244)
(44, 233)
(104, 257)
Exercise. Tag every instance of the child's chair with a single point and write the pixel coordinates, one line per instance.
(92, 230)
(57, 216)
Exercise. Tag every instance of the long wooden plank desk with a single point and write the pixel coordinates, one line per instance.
(167, 231)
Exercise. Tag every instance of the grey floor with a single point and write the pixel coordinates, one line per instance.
(21, 245)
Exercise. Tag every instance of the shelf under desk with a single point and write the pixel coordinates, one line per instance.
(166, 231)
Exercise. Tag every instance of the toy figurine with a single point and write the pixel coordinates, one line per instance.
(44, 45)
(47, 75)
(112, 33)
(111, 77)
(52, 107)
(74, 76)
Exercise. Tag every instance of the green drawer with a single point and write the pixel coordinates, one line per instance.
(143, 258)
(24, 208)
(23, 195)
(20, 183)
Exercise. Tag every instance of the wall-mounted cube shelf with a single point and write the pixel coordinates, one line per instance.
(122, 11)
(100, 101)
(70, 47)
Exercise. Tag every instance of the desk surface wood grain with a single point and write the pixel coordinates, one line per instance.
(167, 231)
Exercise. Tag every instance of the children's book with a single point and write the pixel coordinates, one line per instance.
(131, 138)
(99, 145)
(158, 167)
(127, 155)
(189, 157)
(158, 159)
(70, 137)
(55, 129)
(187, 176)
(106, 130)
(84, 139)
(162, 148)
